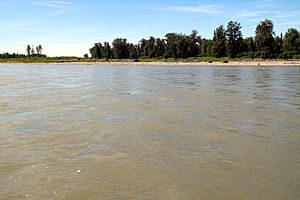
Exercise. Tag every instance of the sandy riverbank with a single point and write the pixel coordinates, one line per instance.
(230, 63)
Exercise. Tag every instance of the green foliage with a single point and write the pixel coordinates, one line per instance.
(120, 48)
(264, 38)
(291, 41)
(262, 54)
(32, 50)
(39, 49)
(194, 44)
(28, 49)
(143, 51)
(106, 51)
(182, 47)
(171, 46)
(14, 55)
(278, 45)
(219, 39)
(296, 56)
(160, 46)
(133, 51)
(96, 51)
(150, 45)
(234, 39)
(248, 45)
(289, 55)
(147, 47)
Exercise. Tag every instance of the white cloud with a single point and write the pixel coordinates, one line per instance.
(267, 4)
(53, 4)
(252, 13)
(288, 23)
(206, 9)
(58, 7)
(287, 14)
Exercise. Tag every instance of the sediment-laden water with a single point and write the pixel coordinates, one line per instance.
(149, 132)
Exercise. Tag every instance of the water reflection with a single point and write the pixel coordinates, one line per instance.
(133, 132)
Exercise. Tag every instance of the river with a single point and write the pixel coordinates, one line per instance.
(149, 132)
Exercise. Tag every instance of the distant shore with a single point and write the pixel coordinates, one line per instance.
(232, 63)
(180, 63)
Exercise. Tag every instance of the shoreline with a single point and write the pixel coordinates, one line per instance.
(256, 63)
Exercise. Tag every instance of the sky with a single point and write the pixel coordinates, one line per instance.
(71, 27)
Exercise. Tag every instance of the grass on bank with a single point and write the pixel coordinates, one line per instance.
(142, 59)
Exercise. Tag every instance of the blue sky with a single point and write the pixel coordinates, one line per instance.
(70, 27)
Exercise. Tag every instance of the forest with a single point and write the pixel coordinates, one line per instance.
(226, 42)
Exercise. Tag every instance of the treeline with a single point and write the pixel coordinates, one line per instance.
(35, 52)
(13, 55)
(31, 52)
(227, 42)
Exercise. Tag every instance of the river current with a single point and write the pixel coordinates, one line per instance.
(75, 132)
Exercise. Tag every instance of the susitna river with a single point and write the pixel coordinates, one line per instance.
(88, 132)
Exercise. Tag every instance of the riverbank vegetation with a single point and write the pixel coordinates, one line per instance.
(227, 44)
(32, 54)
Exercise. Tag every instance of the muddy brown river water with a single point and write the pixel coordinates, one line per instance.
(76, 132)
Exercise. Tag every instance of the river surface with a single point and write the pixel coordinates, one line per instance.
(76, 132)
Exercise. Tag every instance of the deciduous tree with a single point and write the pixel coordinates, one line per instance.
(28, 49)
(264, 38)
(234, 38)
(219, 39)
(291, 41)
(120, 48)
